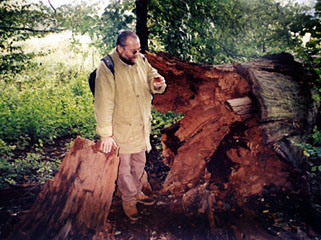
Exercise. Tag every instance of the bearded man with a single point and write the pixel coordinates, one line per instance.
(123, 115)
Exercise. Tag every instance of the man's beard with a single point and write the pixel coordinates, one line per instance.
(127, 61)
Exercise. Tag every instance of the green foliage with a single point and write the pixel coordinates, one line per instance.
(161, 121)
(5, 150)
(205, 31)
(312, 151)
(20, 21)
(46, 109)
(310, 54)
(116, 17)
(40, 105)
(102, 29)
(15, 61)
(223, 31)
(199, 30)
(194, 30)
(313, 145)
(31, 169)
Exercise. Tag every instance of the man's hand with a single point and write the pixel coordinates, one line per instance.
(158, 82)
(106, 144)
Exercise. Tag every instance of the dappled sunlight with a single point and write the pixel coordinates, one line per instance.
(64, 48)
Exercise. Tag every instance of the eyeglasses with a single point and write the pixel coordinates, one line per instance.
(133, 51)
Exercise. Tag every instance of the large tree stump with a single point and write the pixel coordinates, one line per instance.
(241, 126)
(76, 202)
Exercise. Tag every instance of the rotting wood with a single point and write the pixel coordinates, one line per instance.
(239, 151)
(241, 106)
(210, 213)
(76, 202)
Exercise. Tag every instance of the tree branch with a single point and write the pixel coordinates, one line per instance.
(55, 11)
(30, 29)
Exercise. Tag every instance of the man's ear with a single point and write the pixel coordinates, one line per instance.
(118, 48)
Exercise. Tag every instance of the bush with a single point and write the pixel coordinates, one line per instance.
(46, 108)
(161, 121)
(46, 100)
(31, 169)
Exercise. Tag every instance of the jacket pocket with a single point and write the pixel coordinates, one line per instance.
(123, 133)
(129, 134)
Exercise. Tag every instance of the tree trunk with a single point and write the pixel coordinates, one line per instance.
(141, 24)
(241, 129)
(76, 202)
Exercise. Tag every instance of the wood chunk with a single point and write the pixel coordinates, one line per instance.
(76, 202)
(241, 106)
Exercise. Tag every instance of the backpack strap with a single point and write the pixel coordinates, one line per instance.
(143, 57)
(109, 63)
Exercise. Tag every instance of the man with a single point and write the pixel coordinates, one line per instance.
(123, 115)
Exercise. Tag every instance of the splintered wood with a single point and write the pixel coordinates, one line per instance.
(235, 116)
(241, 106)
(76, 202)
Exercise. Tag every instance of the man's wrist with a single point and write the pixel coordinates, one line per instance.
(105, 137)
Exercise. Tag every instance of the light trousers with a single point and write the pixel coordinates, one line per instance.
(130, 172)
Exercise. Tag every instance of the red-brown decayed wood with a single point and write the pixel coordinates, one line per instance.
(242, 124)
(75, 203)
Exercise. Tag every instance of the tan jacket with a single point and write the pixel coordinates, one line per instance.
(123, 104)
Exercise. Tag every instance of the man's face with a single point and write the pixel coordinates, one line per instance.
(130, 51)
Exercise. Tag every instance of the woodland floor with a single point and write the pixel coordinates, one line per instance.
(280, 215)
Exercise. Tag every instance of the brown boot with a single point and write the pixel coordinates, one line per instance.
(130, 210)
(146, 200)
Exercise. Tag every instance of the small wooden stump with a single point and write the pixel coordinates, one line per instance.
(76, 202)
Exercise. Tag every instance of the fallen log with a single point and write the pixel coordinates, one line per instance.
(242, 125)
(76, 202)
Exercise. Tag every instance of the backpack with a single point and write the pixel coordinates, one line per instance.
(92, 77)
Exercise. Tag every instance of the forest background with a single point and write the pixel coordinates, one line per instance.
(44, 94)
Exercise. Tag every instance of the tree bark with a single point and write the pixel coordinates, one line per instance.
(76, 202)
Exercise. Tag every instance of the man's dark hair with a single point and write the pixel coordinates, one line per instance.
(122, 37)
